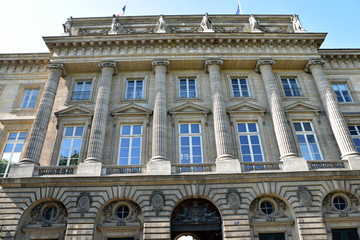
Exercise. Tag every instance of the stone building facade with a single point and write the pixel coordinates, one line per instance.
(217, 127)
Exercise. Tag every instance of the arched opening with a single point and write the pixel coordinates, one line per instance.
(196, 219)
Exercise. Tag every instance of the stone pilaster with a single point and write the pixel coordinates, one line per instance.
(330, 103)
(159, 163)
(281, 127)
(98, 126)
(41, 122)
(221, 123)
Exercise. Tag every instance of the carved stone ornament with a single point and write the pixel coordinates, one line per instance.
(37, 214)
(263, 62)
(257, 215)
(196, 213)
(329, 209)
(157, 201)
(304, 196)
(313, 62)
(84, 201)
(213, 62)
(55, 66)
(109, 215)
(233, 199)
(107, 64)
(160, 63)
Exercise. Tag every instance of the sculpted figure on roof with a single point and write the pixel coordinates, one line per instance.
(161, 25)
(254, 24)
(115, 25)
(206, 24)
(68, 25)
(297, 24)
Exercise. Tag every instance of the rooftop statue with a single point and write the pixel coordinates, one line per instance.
(206, 24)
(297, 24)
(161, 26)
(68, 25)
(116, 27)
(254, 24)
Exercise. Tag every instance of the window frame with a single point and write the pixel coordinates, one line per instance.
(131, 137)
(93, 78)
(307, 144)
(239, 85)
(357, 136)
(248, 135)
(123, 79)
(341, 92)
(251, 79)
(290, 87)
(187, 85)
(72, 142)
(198, 87)
(134, 91)
(83, 86)
(19, 98)
(190, 135)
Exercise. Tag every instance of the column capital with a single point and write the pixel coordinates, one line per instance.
(160, 62)
(213, 62)
(107, 64)
(55, 66)
(312, 62)
(263, 62)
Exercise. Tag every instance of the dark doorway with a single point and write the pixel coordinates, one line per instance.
(198, 217)
(345, 234)
(271, 236)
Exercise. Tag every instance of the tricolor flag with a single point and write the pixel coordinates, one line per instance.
(239, 9)
(123, 10)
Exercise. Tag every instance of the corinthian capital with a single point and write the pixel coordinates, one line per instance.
(213, 62)
(312, 62)
(107, 64)
(160, 62)
(263, 62)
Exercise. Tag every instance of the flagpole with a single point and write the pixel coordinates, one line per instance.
(241, 11)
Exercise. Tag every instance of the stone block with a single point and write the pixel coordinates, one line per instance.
(354, 163)
(158, 168)
(89, 169)
(295, 164)
(228, 166)
(22, 171)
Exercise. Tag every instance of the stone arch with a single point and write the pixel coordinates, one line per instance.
(341, 211)
(47, 217)
(198, 217)
(271, 215)
(119, 217)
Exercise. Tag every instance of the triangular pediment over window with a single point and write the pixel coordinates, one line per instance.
(75, 110)
(189, 108)
(246, 107)
(131, 109)
(301, 107)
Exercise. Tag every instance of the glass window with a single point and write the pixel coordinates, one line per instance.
(307, 141)
(187, 88)
(134, 89)
(12, 151)
(240, 87)
(130, 145)
(81, 90)
(190, 143)
(291, 87)
(29, 98)
(339, 203)
(250, 144)
(342, 92)
(355, 133)
(267, 208)
(122, 212)
(71, 146)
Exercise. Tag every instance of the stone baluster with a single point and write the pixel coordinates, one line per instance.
(330, 103)
(281, 127)
(98, 126)
(41, 122)
(221, 123)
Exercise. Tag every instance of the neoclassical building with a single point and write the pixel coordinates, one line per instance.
(160, 127)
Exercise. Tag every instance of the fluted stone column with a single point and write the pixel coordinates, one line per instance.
(221, 123)
(159, 163)
(41, 122)
(98, 126)
(281, 127)
(330, 103)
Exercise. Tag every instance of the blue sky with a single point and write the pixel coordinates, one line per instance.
(24, 22)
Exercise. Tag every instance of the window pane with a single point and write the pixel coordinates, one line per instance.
(184, 128)
(136, 142)
(126, 130)
(135, 152)
(244, 140)
(297, 126)
(137, 129)
(125, 142)
(307, 126)
(241, 127)
(77, 143)
(252, 127)
(22, 136)
(195, 128)
(9, 147)
(196, 141)
(79, 131)
(69, 131)
(15, 157)
(66, 144)
(18, 147)
(12, 136)
(184, 141)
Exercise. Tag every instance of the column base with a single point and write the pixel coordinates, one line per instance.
(93, 160)
(228, 165)
(29, 161)
(21, 171)
(295, 164)
(158, 167)
(354, 162)
(89, 169)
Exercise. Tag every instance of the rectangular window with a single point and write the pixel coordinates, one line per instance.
(190, 143)
(342, 92)
(71, 146)
(187, 88)
(134, 89)
(291, 87)
(240, 87)
(12, 151)
(250, 144)
(130, 145)
(355, 133)
(307, 141)
(29, 98)
(81, 90)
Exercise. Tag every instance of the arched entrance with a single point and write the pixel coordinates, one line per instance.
(196, 219)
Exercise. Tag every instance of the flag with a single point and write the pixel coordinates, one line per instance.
(239, 10)
(123, 10)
